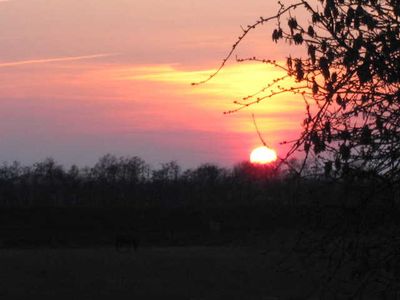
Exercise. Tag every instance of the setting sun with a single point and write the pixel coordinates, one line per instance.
(263, 155)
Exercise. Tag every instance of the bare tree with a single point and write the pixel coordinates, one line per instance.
(349, 79)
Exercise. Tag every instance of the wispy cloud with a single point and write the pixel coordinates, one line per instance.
(235, 82)
(54, 59)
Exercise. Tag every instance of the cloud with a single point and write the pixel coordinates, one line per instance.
(54, 59)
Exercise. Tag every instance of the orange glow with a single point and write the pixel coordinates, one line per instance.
(116, 77)
(216, 96)
(153, 103)
(263, 155)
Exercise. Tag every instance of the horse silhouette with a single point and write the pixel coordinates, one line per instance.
(127, 241)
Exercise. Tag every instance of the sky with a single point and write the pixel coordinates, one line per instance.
(82, 78)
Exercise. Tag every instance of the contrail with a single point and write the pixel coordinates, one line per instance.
(55, 59)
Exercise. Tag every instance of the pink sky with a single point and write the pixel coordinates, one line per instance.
(81, 78)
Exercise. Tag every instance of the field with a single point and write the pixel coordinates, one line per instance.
(70, 253)
(149, 273)
(188, 254)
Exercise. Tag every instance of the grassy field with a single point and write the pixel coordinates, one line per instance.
(71, 254)
(149, 273)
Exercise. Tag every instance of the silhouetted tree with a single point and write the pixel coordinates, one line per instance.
(349, 78)
(106, 169)
(119, 177)
(168, 172)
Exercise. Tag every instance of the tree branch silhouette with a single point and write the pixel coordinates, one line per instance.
(349, 80)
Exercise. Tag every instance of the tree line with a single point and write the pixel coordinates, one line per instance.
(130, 181)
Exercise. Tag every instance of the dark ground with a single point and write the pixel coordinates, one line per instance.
(70, 253)
(226, 253)
(149, 273)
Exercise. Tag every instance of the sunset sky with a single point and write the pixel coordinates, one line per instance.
(82, 78)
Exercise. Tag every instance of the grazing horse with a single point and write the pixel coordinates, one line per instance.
(214, 226)
(125, 242)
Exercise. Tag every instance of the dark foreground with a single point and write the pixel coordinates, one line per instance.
(219, 253)
(149, 273)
